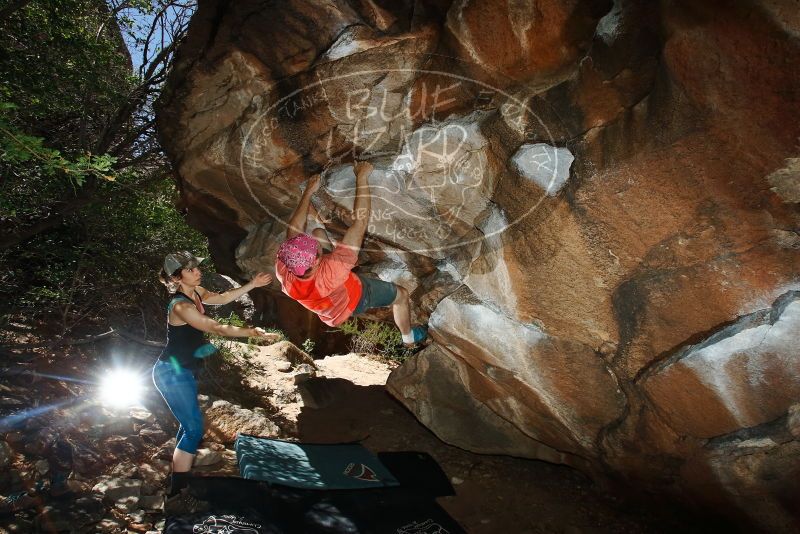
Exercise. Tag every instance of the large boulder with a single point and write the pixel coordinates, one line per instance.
(593, 203)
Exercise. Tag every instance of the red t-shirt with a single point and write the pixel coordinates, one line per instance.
(332, 292)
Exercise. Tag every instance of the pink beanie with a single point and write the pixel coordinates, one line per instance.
(298, 253)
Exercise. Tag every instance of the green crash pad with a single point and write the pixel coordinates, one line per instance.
(311, 466)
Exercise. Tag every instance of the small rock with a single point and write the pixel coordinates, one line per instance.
(207, 457)
(10, 402)
(139, 527)
(90, 503)
(15, 438)
(154, 472)
(137, 516)
(6, 454)
(226, 420)
(110, 525)
(42, 466)
(123, 445)
(125, 470)
(153, 475)
(40, 443)
(307, 369)
(27, 477)
(19, 525)
(153, 435)
(18, 501)
(85, 460)
(69, 517)
(13, 479)
(142, 415)
(121, 425)
(61, 460)
(127, 503)
(75, 486)
(95, 414)
(286, 350)
(793, 421)
(152, 502)
(303, 373)
(115, 489)
(218, 446)
(284, 366)
(165, 451)
(36, 423)
(456, 481)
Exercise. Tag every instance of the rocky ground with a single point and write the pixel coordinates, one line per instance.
(68, 464)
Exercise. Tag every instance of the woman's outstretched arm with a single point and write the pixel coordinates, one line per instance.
(188, 312)
(209, 297)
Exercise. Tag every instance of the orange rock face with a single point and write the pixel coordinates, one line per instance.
(525, 41)
(594, 204)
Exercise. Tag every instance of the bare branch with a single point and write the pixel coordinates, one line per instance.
(12, 7)
(146, 48)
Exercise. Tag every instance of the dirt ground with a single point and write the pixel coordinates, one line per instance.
(342, 400)
(494, 494)
(347, 401)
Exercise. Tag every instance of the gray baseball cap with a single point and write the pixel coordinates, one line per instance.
(181, 260)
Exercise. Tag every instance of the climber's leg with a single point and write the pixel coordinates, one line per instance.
(376, 294)
(379, 294)
(401, 310)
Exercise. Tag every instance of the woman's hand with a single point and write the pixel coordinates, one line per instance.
(263, 334)
(261, 279)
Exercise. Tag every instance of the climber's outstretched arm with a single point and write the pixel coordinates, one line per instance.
(319, 232)
(361, 207)
(297, 224)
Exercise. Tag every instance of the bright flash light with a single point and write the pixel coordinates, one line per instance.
(121, 388)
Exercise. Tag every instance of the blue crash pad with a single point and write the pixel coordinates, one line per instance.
(311, 466)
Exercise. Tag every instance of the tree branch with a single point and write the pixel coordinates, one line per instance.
(85, 341)
(86, 197)
(12, 7)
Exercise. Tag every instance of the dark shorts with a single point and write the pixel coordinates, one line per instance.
(375, 294)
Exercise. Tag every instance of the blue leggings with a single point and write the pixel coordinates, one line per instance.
(179, 388)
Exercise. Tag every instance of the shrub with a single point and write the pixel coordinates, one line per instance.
(230, 347)
(87, 205)
(375, 337)
(308, 346)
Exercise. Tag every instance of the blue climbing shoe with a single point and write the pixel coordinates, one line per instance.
(420, 336)
(420, 333)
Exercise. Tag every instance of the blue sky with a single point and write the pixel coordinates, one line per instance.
(140, 23)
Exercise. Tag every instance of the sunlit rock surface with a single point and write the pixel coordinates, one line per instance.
(743, 376)
(547, 166)
(594, 203)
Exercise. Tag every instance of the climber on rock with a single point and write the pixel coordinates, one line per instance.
(324, 282)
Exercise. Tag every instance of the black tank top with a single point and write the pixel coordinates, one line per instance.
(186, 345)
